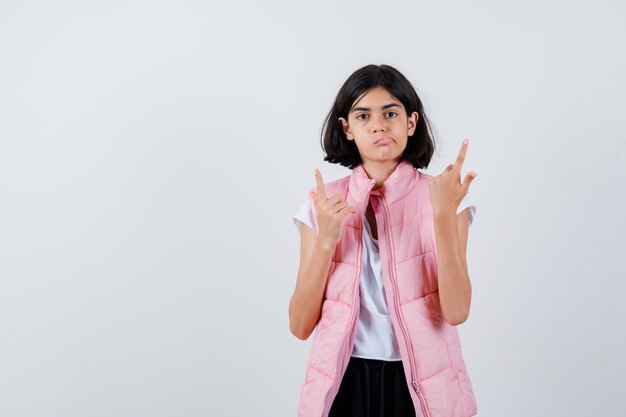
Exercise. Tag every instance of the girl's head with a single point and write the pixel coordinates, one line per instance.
(377, 102)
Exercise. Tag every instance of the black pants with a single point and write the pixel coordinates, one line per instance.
(373, 388)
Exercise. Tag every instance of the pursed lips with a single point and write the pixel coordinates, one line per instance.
(383, 139)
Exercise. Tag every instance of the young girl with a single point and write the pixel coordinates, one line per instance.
(383, 274)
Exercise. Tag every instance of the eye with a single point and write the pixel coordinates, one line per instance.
(359, 116)
(392, 112)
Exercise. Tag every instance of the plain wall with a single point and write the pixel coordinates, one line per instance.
(152, 155)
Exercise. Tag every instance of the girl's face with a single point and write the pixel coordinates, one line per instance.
(379, 125)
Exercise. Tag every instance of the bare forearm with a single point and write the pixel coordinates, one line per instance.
(306, 302)
(454, 284)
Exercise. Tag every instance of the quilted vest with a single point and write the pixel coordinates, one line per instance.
(429, 346)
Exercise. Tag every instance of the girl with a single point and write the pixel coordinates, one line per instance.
(383, 273)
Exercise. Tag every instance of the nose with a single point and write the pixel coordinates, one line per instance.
(378, 123)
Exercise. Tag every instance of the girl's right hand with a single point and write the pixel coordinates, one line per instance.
(330, 212)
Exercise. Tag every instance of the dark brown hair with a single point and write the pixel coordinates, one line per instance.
(339, 150)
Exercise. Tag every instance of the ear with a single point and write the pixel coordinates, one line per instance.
(412, 122)
(346, 128)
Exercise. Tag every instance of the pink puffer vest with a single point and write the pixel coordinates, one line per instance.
(430, 347)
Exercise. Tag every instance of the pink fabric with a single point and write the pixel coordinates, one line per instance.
(430, 347)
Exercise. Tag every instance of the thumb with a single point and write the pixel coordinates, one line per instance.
(347, 211)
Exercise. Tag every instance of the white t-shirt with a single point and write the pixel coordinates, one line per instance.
(375, 337)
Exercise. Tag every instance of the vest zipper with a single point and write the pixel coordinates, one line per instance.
(396, 294)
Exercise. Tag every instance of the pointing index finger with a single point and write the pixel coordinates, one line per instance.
(461, 156)
(321, 192)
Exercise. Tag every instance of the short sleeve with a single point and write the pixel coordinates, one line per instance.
(304, 215)
(467, 203)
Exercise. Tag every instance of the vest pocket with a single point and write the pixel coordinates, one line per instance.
(427, 331)
(463, 401)
(329, 334)
(465, 386)
(443, 396)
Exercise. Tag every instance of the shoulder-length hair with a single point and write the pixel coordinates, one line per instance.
(339, 150)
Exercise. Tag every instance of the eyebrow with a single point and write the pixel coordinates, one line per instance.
(386, 106)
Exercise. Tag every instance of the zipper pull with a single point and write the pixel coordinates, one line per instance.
(415, 386)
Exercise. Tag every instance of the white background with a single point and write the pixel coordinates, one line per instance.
(152, 154)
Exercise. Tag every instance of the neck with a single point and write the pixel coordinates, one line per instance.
(379, 171)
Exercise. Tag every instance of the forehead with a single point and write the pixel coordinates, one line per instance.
(375, 99)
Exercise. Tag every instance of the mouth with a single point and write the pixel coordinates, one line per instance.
(383, 141)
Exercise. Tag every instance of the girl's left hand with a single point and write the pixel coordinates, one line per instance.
(446, 190)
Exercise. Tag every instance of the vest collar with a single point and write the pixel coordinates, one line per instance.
(396, 186)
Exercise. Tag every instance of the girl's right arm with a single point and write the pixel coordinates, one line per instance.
(306, 302)
(316, 253)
